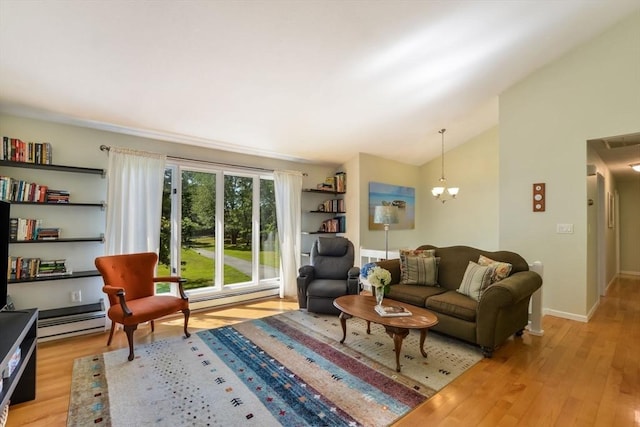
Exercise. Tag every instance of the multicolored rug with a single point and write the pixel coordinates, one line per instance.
(288, 369)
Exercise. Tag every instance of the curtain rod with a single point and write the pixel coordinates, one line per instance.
(107, 148)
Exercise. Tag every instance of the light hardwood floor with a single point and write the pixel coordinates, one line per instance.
(583, 374)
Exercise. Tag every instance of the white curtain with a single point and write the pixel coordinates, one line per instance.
(288, 189)
(134, 201)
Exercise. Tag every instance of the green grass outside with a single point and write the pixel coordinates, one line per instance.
(202, 271)
(238, 251)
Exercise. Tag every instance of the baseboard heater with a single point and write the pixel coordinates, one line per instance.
(197, 302)
(71, 321)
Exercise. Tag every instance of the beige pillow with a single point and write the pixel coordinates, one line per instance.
(501, 269)
(419, 270)
(475, 281)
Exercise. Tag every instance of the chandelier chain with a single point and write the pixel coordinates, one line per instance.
(442, 192)
(441, 132)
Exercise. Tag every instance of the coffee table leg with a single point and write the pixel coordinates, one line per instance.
(343, 322)
(368, 327)
(423, 335)
(398, 335)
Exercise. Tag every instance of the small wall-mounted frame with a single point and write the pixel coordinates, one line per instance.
(538, 197)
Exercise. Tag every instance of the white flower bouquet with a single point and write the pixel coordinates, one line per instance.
(379, 278)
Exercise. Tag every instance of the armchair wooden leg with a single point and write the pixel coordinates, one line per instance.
(129, 331)
(186, 312)
(153, 325)
(113, 328)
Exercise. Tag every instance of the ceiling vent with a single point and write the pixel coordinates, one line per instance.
(622, 141)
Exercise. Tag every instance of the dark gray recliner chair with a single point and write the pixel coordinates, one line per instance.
(330, 275)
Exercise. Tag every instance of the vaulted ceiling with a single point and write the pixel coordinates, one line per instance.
(301, 80)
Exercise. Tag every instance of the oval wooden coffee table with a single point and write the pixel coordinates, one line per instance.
(363, 307)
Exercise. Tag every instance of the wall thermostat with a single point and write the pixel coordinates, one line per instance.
(538, 197)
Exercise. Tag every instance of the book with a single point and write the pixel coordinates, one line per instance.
(392, 311)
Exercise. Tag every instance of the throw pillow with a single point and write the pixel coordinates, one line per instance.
(404, 254)
(419, 270)
(475, 280)
(501, 269)
(418, 252)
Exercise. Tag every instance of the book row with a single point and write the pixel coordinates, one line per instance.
(334, 225)
(337, 183)
(334, 205)
(21, 229)
(16, 150)
(28, 268)
(16, 190)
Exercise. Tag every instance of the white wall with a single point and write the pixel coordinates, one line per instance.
(471, 219)
(629, 223)
(545, 120)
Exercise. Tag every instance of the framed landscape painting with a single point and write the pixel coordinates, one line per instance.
(402, 197)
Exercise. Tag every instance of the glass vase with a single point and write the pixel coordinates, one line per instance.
(379, 295)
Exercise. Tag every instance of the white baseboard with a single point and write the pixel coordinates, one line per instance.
(631, 273)
(593, 309)
(565, 315)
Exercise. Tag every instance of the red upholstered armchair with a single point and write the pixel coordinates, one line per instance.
(129, 283)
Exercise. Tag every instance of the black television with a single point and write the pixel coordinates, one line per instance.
(4, 252)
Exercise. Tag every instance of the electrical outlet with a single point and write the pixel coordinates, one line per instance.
(76, 296)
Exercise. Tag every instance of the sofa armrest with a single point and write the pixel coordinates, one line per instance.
(503, 308)
(510, 290)
(393, 265)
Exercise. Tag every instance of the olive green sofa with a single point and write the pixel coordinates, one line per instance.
(501, 311)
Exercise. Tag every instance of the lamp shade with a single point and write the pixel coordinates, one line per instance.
(385, 215)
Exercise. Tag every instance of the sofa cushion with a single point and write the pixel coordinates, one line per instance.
(412, 294)
(454, 304)
(418, 270)
(501, 269)
(475, 280)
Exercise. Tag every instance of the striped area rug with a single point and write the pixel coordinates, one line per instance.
(288, 369)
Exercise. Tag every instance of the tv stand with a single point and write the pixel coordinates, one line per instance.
(19, 330)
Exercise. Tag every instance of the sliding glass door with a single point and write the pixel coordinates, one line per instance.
(219, 230)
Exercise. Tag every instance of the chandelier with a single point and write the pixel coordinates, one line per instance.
(442, 192)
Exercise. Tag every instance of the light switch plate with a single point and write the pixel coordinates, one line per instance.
(564, 228)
